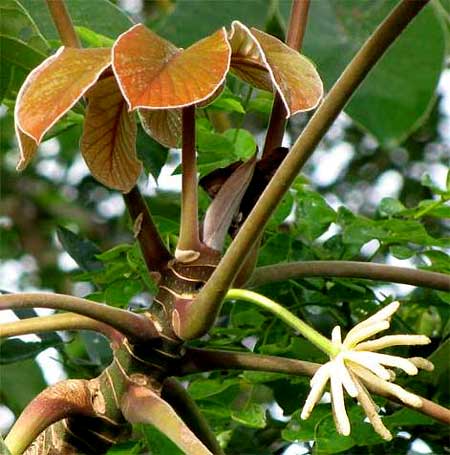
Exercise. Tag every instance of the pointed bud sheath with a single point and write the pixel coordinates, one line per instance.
(223, 208)
(51, 90)
(269, 64)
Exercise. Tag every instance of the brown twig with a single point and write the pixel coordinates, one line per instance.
(63, 321)
(63, 23)
(201, 360)
(155, 253)
(294, 39)
(135, 326)
(349, 269)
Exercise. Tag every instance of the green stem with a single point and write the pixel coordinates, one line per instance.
(189, 242)
(294, 39)
(208, 302)
(135, 326)
(430, 207)
(349, 269)
(323, 343)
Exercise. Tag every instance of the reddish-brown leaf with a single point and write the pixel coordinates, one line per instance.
(51, 89)
(154, 74)
(108, 143)
(164, 125)
(268, 63)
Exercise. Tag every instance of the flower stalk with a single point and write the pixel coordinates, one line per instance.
(323, 343)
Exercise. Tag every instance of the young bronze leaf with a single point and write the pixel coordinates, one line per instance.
(164, 125)
(51, 89)
(266, 62)
(108, 144)
(154, 74)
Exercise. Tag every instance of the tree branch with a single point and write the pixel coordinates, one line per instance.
(142, 405)
(63, 23)
(198, 360)
(155, 253)
(175, 394)
(295, 34)
(208, 302)
(64, 399)
(135, 326)
(188, 248)
(202, 360)
(349, 269)
(63, 321)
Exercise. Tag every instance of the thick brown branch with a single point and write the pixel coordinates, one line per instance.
(63, 321)
(349, 269)
(64, 399)
(63, 23)
(175, 394)
(208, 302)
(134, 326)
(155, 253)
(294, 39)
(201, 360)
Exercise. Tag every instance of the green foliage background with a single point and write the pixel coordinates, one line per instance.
(396, 125)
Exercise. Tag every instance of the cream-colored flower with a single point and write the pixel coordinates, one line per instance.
(356, 364)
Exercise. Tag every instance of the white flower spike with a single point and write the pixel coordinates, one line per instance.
(356, 366)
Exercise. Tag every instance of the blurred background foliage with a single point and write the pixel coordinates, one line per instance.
(376, 189)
